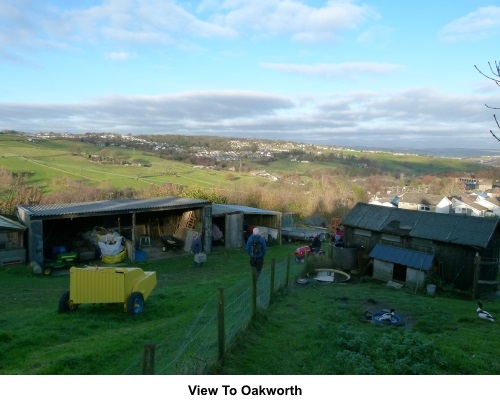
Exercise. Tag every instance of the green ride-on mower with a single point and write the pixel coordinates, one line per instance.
(60, 261)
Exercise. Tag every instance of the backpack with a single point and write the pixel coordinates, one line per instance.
(255, 247)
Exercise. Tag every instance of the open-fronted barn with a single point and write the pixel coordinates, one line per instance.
(63, 227)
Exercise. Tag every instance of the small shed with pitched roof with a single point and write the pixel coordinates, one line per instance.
(12, 249)
(452, 240)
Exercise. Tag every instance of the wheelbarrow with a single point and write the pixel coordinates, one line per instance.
(107, 285)
(171, 243)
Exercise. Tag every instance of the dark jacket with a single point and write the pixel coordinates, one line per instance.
(316, 243)
(263, 246)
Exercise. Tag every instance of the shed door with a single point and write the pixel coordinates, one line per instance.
(234, 231)
(399, 272)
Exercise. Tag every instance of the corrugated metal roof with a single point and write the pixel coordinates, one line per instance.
(111, 206)
(450, 228)
(405, 257)
(225, 209)
(7, 223)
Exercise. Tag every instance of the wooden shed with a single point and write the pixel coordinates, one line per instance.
(12, 249)
(402, 265)
(236, 221)
(453, 240)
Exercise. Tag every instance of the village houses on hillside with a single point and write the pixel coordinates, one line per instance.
(479, 199)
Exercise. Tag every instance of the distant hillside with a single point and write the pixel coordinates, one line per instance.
(279, 175)
(463, 153)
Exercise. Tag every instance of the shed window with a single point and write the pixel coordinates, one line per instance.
(362, 232)
(391, 238)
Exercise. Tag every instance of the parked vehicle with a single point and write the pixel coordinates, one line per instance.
(303, 251)
(291, 234)
(60, 261)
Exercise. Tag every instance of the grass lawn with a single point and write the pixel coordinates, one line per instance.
(321, 329)
(312, 329)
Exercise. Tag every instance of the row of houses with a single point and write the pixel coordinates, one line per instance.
(478, 204)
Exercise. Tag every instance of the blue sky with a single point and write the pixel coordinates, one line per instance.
(348, 73)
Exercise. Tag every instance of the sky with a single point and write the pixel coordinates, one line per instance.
(373, 73)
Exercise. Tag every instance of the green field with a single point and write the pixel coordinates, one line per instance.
(50, 164)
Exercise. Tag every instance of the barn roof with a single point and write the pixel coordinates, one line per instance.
(226, 209)
(406, 257)
(449, 228)
(111, 206)
(10, 224)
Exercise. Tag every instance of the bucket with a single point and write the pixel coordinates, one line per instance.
(140, 255)
(431, 289)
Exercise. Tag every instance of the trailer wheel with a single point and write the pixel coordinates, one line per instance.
(135, 303)
(64, 303)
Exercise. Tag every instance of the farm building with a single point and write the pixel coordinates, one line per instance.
(75, 227)
(236, 222)
(402, 243)
(12, 249)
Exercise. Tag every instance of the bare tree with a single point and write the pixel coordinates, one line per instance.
(495, 76)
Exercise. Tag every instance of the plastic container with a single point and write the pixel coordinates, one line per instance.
(58, 250)
(431, 289)
(140, 255)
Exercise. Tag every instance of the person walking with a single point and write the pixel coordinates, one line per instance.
(316, 243)
(196, 249)
(256, 248)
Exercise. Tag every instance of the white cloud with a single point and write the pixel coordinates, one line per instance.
(482, 23)
(294, 18)
(119, 55)
(158, 22)
(420, 117)
(346, 69)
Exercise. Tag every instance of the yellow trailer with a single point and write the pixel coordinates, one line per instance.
(104, 285)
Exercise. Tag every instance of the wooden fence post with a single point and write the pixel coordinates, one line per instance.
(477, 268)
(253, 298)
(271, 293)
(220, 322)
(148, 359)
(287, 276)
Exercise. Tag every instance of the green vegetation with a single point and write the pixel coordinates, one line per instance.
(324, 331)
(52, 164)
(304, 179)
(308, 329)
(311, 329)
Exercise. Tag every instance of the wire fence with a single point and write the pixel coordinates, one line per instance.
(199, 349)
